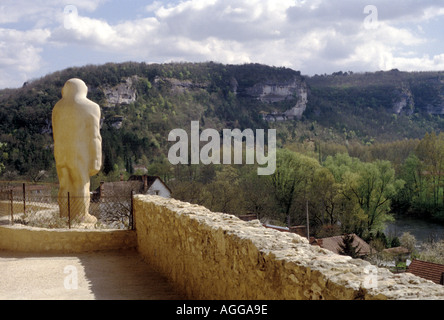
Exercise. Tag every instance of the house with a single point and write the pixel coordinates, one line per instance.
(144, 184)
(333, 244)
(427, 270)
(398, 254)
(151, 185)
(300, 230)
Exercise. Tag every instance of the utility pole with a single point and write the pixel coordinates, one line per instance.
(308, 220)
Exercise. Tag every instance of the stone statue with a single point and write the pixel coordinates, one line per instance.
(77, 149)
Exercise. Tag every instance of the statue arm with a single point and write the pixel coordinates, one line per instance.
(95, 144)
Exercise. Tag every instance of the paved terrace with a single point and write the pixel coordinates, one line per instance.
(116, 275)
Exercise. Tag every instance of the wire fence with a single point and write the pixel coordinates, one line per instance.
(41, 206)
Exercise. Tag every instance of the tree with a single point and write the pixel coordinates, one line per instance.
(395, 242)
(290, 183)
(372, 184)
(431, 151)
(224, 194)
(257, 197)
(377, 186)
(412, 197)
(347, 248)
(433, 252)
(408, 241)
(2, 156)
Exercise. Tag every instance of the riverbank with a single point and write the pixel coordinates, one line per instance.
(423, 230)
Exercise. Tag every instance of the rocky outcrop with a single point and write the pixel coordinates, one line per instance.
(295, 89)
(405, 103)
(179, 86)
(276, 92)
(123, 93)
(298, 110)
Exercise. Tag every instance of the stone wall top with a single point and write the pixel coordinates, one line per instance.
(295, 251)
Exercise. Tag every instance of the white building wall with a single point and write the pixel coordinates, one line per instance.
(158, 188)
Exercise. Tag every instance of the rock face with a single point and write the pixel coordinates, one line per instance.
(405, 103)
(123, 93)
(298, 110)
(295, 89)
(179, 86)
(215, 256)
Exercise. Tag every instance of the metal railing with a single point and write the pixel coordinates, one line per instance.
(41, 206)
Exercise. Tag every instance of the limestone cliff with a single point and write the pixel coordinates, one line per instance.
(123, 93)
(405, 103)
(179, 86)
(271, 92)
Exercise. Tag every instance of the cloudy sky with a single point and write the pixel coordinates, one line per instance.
(314, 36)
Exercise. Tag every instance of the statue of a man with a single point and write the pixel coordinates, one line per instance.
(77, 148)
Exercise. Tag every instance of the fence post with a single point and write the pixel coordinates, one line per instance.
(24, 198)
(69, 213)
(132, 210)
(11, 198)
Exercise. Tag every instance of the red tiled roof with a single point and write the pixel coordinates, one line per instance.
(427, 270)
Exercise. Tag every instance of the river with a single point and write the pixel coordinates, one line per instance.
(422, 230)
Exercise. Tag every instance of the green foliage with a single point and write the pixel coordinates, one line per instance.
(350, 161)
(433, 252)
(360, 105)
(347, 248)
(422, 170)
(395, 242)
(371, 184)
(291, 180)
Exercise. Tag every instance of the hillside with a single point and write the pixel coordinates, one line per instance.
(381, 106)
(142, 102)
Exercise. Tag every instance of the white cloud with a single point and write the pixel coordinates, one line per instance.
(19, 11)
(311, 36)
(20, 54)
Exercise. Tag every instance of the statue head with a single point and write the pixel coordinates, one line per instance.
(74, 88)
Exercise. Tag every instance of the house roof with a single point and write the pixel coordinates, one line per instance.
(150, 180)
(427, 270)
(120, 188)
(283, 229)
(332, 244)
(124, 188)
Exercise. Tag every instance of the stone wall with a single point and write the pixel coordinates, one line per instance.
(217, 256)
(25, 239)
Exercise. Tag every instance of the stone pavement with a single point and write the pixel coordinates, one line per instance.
(113, 275)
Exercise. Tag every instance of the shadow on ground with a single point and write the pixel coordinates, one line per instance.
(110, 275)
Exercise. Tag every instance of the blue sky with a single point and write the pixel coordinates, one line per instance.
(313, 36)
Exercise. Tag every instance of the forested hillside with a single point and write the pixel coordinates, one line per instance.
(365, 145)
(342, 108)
(168, 96)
